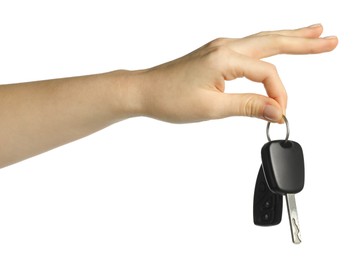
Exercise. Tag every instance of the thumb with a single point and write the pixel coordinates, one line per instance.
(251, 105)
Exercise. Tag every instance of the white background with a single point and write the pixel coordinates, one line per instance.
(145, 189)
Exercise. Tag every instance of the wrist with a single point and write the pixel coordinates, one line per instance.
(127, 93)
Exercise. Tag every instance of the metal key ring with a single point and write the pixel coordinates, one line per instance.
(287, 129)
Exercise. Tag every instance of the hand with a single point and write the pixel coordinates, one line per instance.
(191, 88)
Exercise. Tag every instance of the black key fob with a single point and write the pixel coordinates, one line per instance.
(267, 205)
(283, 166)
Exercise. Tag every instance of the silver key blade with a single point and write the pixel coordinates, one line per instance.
(292, 214)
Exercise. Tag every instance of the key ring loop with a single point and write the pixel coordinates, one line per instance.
(287, 130)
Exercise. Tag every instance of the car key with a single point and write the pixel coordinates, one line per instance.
(283, 166)
(267, 205)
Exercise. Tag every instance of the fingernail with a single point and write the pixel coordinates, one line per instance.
(272, 113)
(315, 25)
(330, 37)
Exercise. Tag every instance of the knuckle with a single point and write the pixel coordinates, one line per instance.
(218, 55)
(249, 107)
(245, 106)
(272, 69)
(217, 42)
(221, 50)
(262, 33)
(284, 94)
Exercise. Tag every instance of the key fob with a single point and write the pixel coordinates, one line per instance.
(283, 166)
(267, 205)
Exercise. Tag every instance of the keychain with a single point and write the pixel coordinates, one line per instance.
(281, 174)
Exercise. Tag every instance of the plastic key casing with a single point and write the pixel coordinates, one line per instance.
(283, 166)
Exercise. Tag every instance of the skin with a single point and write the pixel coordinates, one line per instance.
(39, 116)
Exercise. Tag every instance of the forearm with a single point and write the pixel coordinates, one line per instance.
(38, 116)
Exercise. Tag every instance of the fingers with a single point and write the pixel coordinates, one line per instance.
(312, 31)
(277, 44)
(242, 59)
(251, 105)
(258, 71)
(299, 41)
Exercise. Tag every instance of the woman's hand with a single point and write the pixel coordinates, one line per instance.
(192, 88)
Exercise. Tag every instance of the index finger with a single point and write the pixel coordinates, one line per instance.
(258, 71)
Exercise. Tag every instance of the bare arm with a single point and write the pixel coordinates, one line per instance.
(38, 116)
